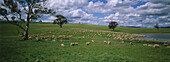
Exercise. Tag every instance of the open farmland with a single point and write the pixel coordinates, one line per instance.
(46, 39)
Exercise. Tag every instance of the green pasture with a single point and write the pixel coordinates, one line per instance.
(14, 50)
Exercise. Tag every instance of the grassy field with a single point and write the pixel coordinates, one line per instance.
(50, 50)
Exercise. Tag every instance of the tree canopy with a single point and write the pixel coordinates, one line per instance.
(60, 20)
(112, 25)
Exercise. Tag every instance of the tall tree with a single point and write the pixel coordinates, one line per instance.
(112, 25)
(60, 20)
(18, 8)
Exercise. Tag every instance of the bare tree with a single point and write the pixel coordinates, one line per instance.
(17, 8)
(112, 25)
(60, 20)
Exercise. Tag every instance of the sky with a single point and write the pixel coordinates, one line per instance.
(139, 13)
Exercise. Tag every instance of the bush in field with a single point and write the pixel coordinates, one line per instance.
(112, 25)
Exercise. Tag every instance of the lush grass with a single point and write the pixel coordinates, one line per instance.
(13, 50)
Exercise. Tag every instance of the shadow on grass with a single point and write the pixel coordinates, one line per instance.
(116, 30)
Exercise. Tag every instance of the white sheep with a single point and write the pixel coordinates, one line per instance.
(156, 46)
(76, 43)
(122, 42)
(92, 40)
(53, 40)
(29, 37)
(105, 42)
(72, 44)
(145, 45)
(166, 43)
(53, 36)
(37, 38)
(150, 45)
(62, 45)
(87, 43)
(131, 43)
(109, 43)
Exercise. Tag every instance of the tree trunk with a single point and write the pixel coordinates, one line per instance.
(60, 25)
(25, 35)
(113, 28)
(27, 28)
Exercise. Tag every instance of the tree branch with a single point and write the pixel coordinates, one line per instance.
(14, 23)
(20, 17)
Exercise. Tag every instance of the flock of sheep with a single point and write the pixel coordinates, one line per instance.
(131, 44)
(113, 35)
(87, 43)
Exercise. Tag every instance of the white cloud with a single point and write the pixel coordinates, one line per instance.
(98, 7)
(111, 6)
(65, 4)
(68, 8)
(139, 16)
(80, 16)
(125, 15)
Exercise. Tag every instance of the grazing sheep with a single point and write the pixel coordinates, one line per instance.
(46, 39)
(37, 60)
(62, 45)
(42, 34)
(87, 43)
(131, 43)
(122, 42)
(76, 43)
(60, 36)
(61, 39)
(92, 40)
(29, 37)
(168, 47)
(72, 44)
(37, 38)
(53, 36)
(54, 40)
(105, 42)
(70, 36)
(156, 46)
(36, 35)
(150, 45)
(166, 44)
(145, 45)
(50, 32)
(48, 36)
(109, 43)
(79, 38)
(43, 38)
(83, 36)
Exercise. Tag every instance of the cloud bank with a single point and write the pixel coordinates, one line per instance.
(141, 13)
